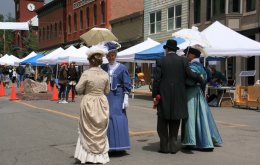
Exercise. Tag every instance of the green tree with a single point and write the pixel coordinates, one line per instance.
(30, 41)
(8, 35)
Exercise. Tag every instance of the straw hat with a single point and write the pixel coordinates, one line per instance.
(96, 49)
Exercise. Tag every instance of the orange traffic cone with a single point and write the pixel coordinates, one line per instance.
(21, 87)
(49, 86)
(2, 90)
(55, 93)
(13, 94)
(70, 94)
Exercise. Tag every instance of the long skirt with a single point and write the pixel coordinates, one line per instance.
(199, 130)
(118, 134)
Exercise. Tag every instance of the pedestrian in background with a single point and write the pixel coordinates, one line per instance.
(169, 83)
(92, 145)
(72, 78)
(20, 74)
(120, 87)
(63, 80)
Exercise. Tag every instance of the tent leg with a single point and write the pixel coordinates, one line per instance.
(133, 91)
(226, 66)
(57, 71)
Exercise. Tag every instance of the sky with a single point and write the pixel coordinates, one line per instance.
(7, 6)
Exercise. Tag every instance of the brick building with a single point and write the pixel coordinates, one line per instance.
(52, 25)
(77, 17)
(24, 12)
(242, 16)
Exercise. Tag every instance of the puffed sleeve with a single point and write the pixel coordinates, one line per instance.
(126, 81)
(80, 87)
(157, 79)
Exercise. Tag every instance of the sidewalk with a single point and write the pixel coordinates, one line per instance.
(143, 90)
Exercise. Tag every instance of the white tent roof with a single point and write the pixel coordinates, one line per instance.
(128, 55)
(52, 57)
(14, 25)
(34, 21)
(9, 60)
(78, 56)
(32, 54)
(226, 42)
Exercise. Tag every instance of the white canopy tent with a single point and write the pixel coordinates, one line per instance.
(128, 55)
(32, 54)
(14, 26)
(9, 60)
(52, 57)
(79, 56)
(225, 42)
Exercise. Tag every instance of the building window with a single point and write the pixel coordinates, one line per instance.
(155, 22)
(234, 6)
(48, 32)
(208, 17)
(95, 14)
(103, 12)
(196, 11)
(51, 33)
(75, 22)
(81, 20)
(219, 7)
(87, 16)
(60, 27)
(43, 34)
(55, 29)
(69, 23)
(40, 34)
(174, 17)
(250, 5)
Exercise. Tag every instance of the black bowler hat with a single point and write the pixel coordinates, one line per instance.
(172, 44)
(191, 50)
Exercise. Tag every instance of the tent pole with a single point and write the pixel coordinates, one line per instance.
(57, 71)
(133, 91)
(226, 66)
(4, 41)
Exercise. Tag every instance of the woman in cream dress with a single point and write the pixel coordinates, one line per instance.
(92, 145)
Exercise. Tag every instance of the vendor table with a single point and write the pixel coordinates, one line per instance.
(224, 89)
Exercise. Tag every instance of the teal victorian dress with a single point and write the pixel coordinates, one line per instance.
(199, 130)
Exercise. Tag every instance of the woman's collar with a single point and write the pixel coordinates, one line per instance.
(195, 60)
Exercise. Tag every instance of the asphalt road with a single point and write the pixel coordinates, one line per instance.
(45, 133)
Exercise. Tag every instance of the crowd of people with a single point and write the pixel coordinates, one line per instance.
(178, 93)
(12, 74)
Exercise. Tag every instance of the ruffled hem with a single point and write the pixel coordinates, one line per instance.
(86, 156)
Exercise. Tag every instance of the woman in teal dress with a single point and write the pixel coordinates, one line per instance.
(199, 130)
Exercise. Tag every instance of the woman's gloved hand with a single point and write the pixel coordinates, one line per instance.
(125, 102)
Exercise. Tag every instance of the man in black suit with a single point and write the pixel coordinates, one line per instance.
(169, 83)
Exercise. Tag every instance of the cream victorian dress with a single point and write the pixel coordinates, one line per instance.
(92, 145)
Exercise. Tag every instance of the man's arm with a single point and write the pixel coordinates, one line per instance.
(196, 77)
(157, 79)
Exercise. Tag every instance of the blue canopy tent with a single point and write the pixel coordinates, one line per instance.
(155, 52)
(33, 60)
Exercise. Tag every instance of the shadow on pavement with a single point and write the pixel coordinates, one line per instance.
(152, 147)
(149, 98)
(116, 154)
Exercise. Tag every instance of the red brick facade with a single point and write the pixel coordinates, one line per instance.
(23, 14)
(79, 16)
(52, 24)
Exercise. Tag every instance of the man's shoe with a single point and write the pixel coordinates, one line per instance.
(163, 152)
